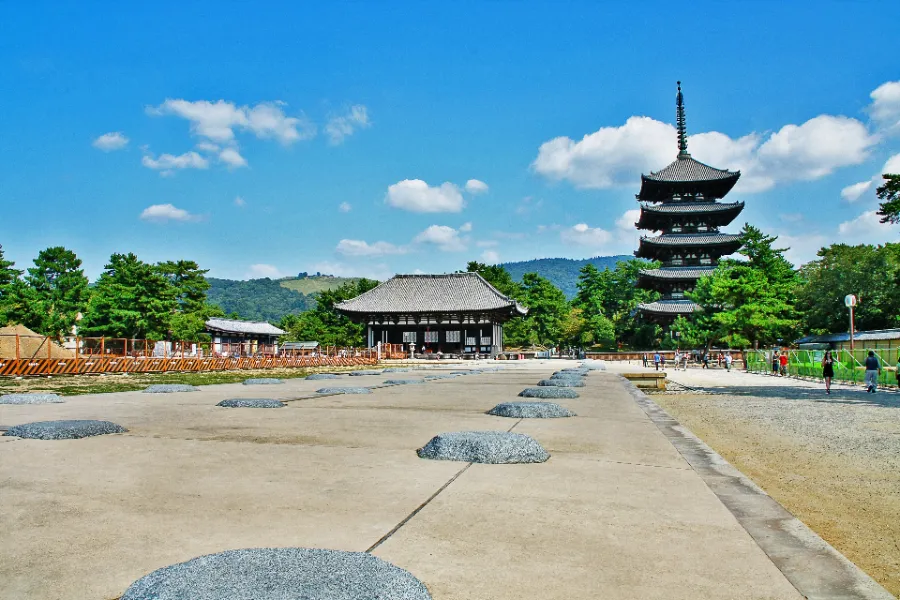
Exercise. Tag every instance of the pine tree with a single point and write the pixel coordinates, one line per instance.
(58, 292)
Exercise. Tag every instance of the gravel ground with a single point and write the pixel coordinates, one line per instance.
(549, 392)
(832, 460)
(64, 430)
(280, 574)
(263, 381)
(566, 382)
(403, 381)
(322, 376)
(169, 388)
(344, 390)
(363, 373)
(530, 410)
(31, 399)
(395, 370)
(491, 447)
(251, 403)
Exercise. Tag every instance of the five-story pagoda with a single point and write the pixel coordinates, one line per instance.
(682, 202)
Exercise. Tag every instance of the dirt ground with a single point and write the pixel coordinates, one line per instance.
(850, 499)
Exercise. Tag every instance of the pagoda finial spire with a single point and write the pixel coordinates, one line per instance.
(680, 124)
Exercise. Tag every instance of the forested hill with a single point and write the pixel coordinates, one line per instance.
(257, 299)
(562, 272)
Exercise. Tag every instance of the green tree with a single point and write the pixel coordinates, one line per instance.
(326, 325)
(191, 310)
(547, 309)
(10, 290)
(497, 276)
(58, 292)
(889, 194)
(748, 302)
(131, 299)
(872, 273)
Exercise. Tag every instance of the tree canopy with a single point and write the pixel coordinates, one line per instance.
(889, 194)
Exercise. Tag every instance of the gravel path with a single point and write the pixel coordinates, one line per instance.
(530, 410)
(549, 392)
(31, 399)
(263, 381)
(251, 403)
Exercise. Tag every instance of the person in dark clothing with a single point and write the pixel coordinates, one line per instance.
(828, 370)
(873, 370)
(775, 362)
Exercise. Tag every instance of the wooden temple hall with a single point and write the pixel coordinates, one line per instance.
(681, 201)
(459, 314)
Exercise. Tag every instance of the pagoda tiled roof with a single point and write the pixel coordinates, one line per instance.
(691, 207)
(450, 293)
(687, 169)
(678, 272)
(692, 239)
(669, 307)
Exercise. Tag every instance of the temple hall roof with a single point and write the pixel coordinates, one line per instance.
(247, 327)
(452, 293)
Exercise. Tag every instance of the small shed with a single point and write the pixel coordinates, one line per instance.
(299, 348)
(231, 337)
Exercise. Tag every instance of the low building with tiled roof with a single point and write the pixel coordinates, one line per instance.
(231, 337)
(681, 202)
(458, 313)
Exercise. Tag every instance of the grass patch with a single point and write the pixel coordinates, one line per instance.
(74, 385)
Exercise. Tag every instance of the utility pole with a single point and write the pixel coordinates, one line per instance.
(850, 302)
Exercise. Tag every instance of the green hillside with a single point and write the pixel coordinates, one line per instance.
(562, 272)
(310, 285)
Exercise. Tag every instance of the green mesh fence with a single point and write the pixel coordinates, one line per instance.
(849, 365)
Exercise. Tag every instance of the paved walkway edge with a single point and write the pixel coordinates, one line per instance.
(812, 565)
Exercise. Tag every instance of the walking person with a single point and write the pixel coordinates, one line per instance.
(728, 360)
(645, 359)
(775, 363)
(828, 370)
(783, 363)
(873, 370)
(684, 360)
(706, 360)
(657, 359)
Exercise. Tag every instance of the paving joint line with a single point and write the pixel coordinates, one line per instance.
(419, 508)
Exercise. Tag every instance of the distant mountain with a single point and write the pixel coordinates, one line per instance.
(257, 299)
(563, 272)
(270, 299)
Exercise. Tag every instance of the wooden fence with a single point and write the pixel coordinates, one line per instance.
(31, 356)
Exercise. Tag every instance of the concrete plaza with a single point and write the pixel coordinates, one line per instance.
(617, 512)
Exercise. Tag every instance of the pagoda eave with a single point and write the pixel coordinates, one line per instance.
(658, 191)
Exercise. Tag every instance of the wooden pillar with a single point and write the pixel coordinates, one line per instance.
(102, 346)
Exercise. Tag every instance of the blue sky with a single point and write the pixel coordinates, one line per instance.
(374, 138)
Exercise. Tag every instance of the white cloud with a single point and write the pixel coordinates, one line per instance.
(218, 120)
(362, 248)
(628, 219)
(616, 156)
(379, 271)
(232, 158)
(866, 229)
(474, 186)
(207, 147)
(487, 243)
(885, 107)
(791, 217)
(238, 201)
(343, 126)
(167, 163)
(114, 140)
(466, 227)
(345, 207)
(162, 213)
(445, 238)
(490, 257)
(261, 271)
(582, 235)
(417, 196)
(815, 148)
(852, 193)
(527, 205)
(801, 248)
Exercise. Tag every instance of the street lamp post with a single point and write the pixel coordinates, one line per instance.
(850, 302)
